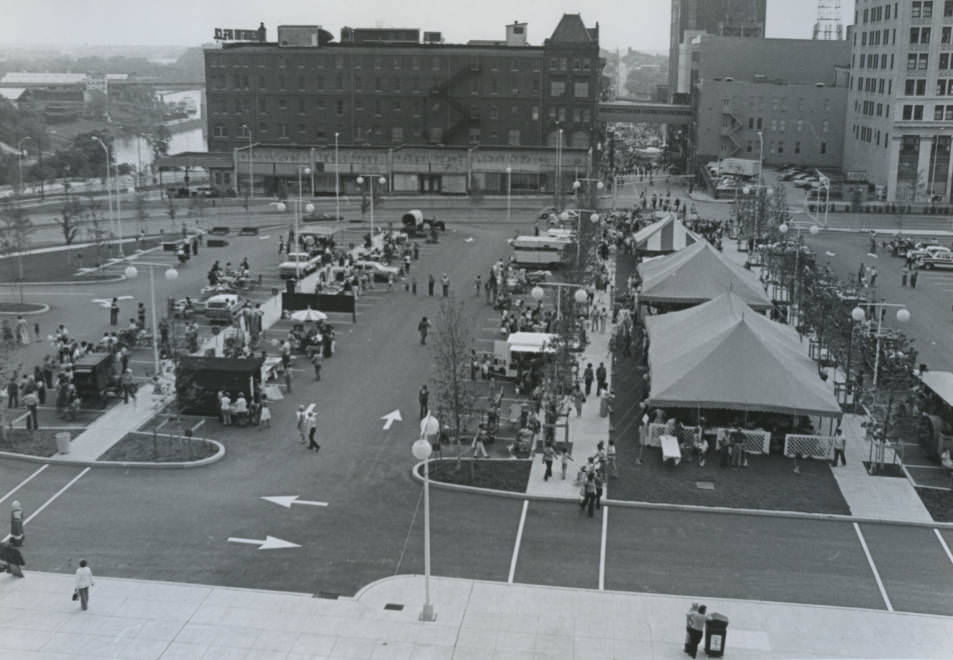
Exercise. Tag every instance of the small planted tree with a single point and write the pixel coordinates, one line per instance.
(142, 213)
(70, 219)
(15, 230)
(452, 346)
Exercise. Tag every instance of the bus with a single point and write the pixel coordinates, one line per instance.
(540, 250)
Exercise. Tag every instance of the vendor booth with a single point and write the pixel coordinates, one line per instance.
(663, 237)
(199, 379)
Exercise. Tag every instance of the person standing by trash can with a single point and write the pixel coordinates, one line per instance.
(84, 580)
(696, 628)
(445, 285)
(13, 559)
(548, 455)
(16, 524)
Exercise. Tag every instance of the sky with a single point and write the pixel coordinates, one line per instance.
(640, 24)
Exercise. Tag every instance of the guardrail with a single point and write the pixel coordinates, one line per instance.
(815, 446)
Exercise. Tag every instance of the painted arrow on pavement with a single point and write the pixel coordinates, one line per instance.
(287, 500)
(390, 418)
(269, 543)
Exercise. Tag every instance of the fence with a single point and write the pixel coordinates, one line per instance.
(815, 446)
(655, 430)
(756, 441)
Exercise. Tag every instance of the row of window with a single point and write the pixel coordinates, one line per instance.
(944, 87)
(775, 147)
(397, 134)
(780, 125)
(874, 85)
(759, 103)
(915, 112)
(867, 134)
(918, 9)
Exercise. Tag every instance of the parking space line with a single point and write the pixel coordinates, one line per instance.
(939, 537)
(51, 500)
(602, 549)
(516, 545)
(24, 482)
(873, 567)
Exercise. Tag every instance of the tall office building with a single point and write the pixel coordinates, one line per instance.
(723, 18)
(900, 105)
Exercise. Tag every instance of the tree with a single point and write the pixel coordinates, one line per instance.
(170, 210)
(94, 216)
(142, 213)
(16, 228)
(69, 220)
(453, 344)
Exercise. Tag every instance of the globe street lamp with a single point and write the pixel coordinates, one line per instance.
(594, 218)
(171, 274)
(421, 450)
(784, 229)
(382, 181)
(509, 180)
(858, 314)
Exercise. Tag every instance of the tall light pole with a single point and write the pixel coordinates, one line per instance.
(118, 211)
(20, 162)
(109, 200)
(795, 304)
(370, 179)
(251, 159)
(858, 314)
(760, 158)
(509, 183)
(421, 450)
(936, 149)
(170, 274)
(337, 181)
(557, 186)
(306, 170)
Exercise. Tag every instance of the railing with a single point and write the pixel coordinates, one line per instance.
(655, 430)
(756, 441)
(815, 446)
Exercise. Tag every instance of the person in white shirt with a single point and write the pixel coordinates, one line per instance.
(84, 580)
(226, 409)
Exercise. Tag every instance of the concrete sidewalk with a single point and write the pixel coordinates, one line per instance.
(144, 620)
(587, 430)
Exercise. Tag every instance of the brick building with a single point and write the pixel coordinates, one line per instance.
(382, 90)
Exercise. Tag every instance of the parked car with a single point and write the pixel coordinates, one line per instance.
(299, 267)
(807, 182)
(936, 257)
(223, 308)
(924, 249)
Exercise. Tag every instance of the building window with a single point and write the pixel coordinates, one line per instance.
(946, 35)
(435, 63)
(262, 104)
(586, 116)
(562, 114)
(536, 65)
(581, 90)
(358, 105)
(948, 8)
(749, 147)
(397, 135)
(282, 103)
(945, 61)
(320, 82)
(513, 137)
(301, 81)
(301, 105)
(474, 136)
(220, 130)
(534, 113)
(554, 64)
(919, 35)
(283, 131)
(494, 113)
(797, 147)
(339, 80)
(281, 81)
(823, 147)
(825, 126)
(944, 87)
(340, 107)
(357, 83)
(780, 147)
(262, 127)
(377, 108)
(557, 88)
(915, 87)
(577, 115)
(395, 105)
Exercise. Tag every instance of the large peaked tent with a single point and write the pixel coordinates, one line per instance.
(723, 354)
(696, 274)
(664, 236)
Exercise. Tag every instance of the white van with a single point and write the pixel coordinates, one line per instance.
(540, 250)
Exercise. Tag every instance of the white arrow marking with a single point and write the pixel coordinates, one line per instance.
(287, 500)
(264, 238)
(269, 543)
(468, 240)
(390, 418)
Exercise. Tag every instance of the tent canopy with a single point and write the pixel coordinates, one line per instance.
(665, 235)
(723, 354)
(696, 274)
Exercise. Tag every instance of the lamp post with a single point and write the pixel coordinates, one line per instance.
(580, 296)
(109, 201)
(936, 150)
(337, 182)
(20, 163)
(795, 303)
(760, 158)
(171, 274)
(509, 183)
(421, 450)
(557, 184)
(251, 159)
(858, 314)
(370, 179)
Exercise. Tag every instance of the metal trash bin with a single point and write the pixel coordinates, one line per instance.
(62, 442)
(716, 631)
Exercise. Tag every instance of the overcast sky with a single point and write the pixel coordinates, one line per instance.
(641, 24)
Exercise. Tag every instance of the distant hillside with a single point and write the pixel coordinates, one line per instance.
(165, 63)
(644, 71)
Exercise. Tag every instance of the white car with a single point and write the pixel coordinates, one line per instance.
(298, 265)
(926, 250)
(936, 256)
(377, 270)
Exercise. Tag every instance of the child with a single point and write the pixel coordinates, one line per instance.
(264, 421)
(564, 459)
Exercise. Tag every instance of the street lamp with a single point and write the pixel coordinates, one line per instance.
(337, 181)
(557, 186)
(370, 179)
(593, 218)
(109, 202)
(20, 162)
(421, 450)
(509, 182)
(858, 314)
(795, 303)
(251, 158)
(171, 274)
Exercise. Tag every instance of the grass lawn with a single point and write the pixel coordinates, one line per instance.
(509, 475)
(40, 443)
(140, 447)
(938, 502)
(63, 266)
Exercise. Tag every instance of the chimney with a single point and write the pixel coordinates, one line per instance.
(516, 34)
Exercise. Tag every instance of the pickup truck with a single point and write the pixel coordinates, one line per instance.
(223, 308)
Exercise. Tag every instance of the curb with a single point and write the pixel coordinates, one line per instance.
(57, 460)
(112, 280)
(43, 310)
(694, 508)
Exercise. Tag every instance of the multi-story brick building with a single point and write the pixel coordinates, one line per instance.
(900, 106)
(379, 91)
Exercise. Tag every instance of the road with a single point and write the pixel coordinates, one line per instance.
(175, 524)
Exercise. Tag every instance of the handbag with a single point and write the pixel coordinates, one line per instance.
(75, 595)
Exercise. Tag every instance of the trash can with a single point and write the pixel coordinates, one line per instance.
(716, 630)
(62, 442)
(604, 405)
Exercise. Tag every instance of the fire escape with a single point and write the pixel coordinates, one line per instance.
(730, 127)
(466, 117)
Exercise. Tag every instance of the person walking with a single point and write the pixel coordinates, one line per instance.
(423, 397)
(141, 316)
(564, 459)
(873, 276)
(914, 275)
(32, 402)
(612, 470)
(588, 494)
(226, 404)
(12, 558)
(597, 479)
(578, 399)
(301, 421)
(479, 443)
(478, 285)
(445, 285)
(128, 386)
(114, 312)
(696, 620)
(904, 273)
(587, 377)
(548, 455)
(264, 417)
(839, 445)
(600, 378)
(84, 581)
(16, 524)
(316, 362)
(423, 327)
(430, 284)
(312, 426)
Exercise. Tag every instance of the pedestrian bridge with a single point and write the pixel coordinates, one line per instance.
(644, 112)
